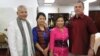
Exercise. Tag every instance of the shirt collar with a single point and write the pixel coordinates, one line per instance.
(79, 16)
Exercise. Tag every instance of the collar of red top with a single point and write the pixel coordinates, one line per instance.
(79, 16)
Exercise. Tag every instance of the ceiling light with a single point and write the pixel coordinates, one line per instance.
(90, 1)
(49, 1)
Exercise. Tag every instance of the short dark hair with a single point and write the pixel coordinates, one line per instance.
(81, 3)
(39, 14)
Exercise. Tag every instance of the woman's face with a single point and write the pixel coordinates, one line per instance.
(60, 22)
(41, 20)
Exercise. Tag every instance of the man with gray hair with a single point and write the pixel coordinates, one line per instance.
(19, 33)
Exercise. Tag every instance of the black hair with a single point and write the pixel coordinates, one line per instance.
(81, 3)
(39, 14)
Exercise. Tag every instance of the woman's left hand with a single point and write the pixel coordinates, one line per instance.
(45, 52)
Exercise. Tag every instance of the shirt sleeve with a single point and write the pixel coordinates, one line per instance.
(91, 26)
(35, 35)
(52, 35)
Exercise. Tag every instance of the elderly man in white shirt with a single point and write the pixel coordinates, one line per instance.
(19, 33)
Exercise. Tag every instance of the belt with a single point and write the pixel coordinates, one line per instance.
(60, 43)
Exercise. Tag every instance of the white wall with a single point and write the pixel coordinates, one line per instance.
(48, 9)
(86, 8)
(94, 8)
(61, 9)
(15, 3)
(66, 9)
(55, 9)
(8, 12)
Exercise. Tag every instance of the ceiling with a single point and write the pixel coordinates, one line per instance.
(65, 2)
(68, 2)
(60, 2)
(15, 3)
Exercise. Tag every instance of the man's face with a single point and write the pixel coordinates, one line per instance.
(22, 13)
(78, 8)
